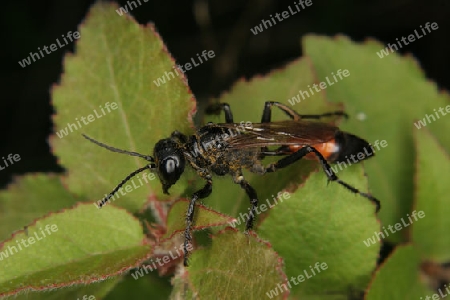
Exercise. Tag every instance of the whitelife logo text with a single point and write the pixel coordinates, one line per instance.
(318, 87)
(411, 38)
(280, 17)
(33, 56)
(261, 208)
(11, 158)
(397, 226)
(188, 66)
(86, 120)
(31, 240)
(124, 9)
(318, 266)
(430, 118)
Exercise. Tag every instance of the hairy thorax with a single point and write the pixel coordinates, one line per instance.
(209, 149)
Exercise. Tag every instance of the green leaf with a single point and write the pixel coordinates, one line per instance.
(31, 197)
(398, 277)
(203, 218)
(96, 289)
(315, 211)
(223, 270)
(390, 94)
(76, 246)
(116, 61)
(430, 228)
(325, 224)
(247, 102)
(151, 286)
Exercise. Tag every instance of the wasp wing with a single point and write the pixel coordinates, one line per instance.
(279, 133)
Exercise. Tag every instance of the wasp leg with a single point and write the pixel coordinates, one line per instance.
(328, 114)
(251, 193)
(267, 118)
(286, 161)
(216, 108)
(281, 151)
(200, 194)
(267, 113)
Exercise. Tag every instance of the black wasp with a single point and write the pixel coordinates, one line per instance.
(225, 149)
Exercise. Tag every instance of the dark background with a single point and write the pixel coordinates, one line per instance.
(188, 28)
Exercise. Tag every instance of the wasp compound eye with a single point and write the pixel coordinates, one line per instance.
(172, 166)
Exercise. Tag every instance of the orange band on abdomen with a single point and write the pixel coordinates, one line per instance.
(326, 149)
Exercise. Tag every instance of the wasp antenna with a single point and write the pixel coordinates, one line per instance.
(146, 157)
(105, 200)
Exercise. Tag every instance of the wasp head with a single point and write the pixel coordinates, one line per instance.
(169, 161)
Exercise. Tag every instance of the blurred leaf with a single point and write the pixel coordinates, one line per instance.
(247, 102)
(116, 61)
(149, 287)
(29, 198)
(237, 266)
(96, 289)
(315, 211)
(398, 277)
(430, 228)
(203, 218)
(383, 97)
(325, 224)
(66, 253)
